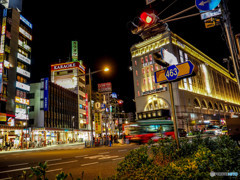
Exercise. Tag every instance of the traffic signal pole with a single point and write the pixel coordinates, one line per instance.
(173, 114)
(231, 41)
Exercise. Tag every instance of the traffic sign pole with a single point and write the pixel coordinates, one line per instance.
(173, 114)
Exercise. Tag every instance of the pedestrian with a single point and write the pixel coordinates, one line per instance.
(111, 139)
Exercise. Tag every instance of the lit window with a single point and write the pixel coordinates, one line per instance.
(146, 59)
(143, 71)
(142, 61)
(136, 73)
(147, 69)
(144, 81)
(190, 84)
(149, 80)
(156, 67)
(181, 56)
(151, 68)
(137, 83)
(185, 83)
(138, 93)
(135, 63)
(186, 57)
(150, 57)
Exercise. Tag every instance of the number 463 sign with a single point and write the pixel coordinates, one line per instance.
(175, 72)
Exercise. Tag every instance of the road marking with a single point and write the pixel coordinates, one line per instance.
(93, 157)
(118, 158)
(122, 150)
(104, 153)
(81, 156)
(54, 170)
(89, 163)
(54, 160)
(17, 164)
(108, 157)
(13, 170)
(63, 163)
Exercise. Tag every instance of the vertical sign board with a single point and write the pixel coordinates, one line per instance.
(87, 121)
(1, 72)
(3, 32)
(45, 99)
(98, 124)
(74, 51)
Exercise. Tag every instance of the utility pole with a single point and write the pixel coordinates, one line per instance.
(173, 114)
(90, 104)
(231, 40)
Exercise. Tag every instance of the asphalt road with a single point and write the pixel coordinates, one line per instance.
(100, 161)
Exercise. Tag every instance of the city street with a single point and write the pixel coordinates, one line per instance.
(100, 161)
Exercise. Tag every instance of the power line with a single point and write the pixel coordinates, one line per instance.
(167, 7)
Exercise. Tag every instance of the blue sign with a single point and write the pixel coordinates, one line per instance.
(207, 5)
(45, 94)
(103, 106)
(114, 95)
(5, 13)
(25, 21)
(172, 73)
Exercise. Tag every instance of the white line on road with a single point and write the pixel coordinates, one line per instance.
(63, 163)
(17, 164)
(108, 157)
(54, 170)
(122, 150)
(81, 156)
(104, 153)
(89, 163)
(13, 170)
(117, 158)
(54, 160)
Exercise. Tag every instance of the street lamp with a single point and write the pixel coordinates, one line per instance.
(106, 69)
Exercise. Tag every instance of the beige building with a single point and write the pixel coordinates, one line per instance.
(210, 97)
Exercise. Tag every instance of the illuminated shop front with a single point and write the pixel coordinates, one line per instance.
(209, 97)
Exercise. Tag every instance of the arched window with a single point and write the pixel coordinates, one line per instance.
(210, 105)
(155, 103)
(230, 108)
(216, 106)
(204, 104)
(221, 107)
(196, 103)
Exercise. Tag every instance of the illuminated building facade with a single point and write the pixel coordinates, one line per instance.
(15, 63)
(71, 75)
(210, 97)
(53, 113)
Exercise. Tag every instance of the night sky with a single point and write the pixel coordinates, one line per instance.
(104, 38)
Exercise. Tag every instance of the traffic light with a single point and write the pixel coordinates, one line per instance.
(148, 18)
(159, 59)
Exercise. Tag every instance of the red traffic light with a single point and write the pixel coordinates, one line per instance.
(147, 18)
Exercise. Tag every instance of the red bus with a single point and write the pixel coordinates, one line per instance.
(144, 130)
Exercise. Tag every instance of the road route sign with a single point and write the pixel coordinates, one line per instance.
(207, 5)
(175, 72)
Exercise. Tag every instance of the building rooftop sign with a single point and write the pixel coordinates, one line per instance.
(68, 65)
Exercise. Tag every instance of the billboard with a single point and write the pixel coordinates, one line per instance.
(105, 87)
(45, 94)
(3, 117)
(21, 113)
(21, 100)
(98, 123)
(67, 81)
(74, 51)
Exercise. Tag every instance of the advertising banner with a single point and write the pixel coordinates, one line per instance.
(21, 100)
(98, 123)
(3, 117)
(68, 65)
(74, 51)
(45, 99)
(86, 96)
(105, 87)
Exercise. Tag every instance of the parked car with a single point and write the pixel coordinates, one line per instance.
(182, 133)
(224, 130)
(213, 129)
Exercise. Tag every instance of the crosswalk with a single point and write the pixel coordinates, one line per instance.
(101, 157)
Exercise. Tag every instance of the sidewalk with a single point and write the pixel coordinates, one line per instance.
(41, 148)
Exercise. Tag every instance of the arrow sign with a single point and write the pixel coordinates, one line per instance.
(207, 5)
(175, 72)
